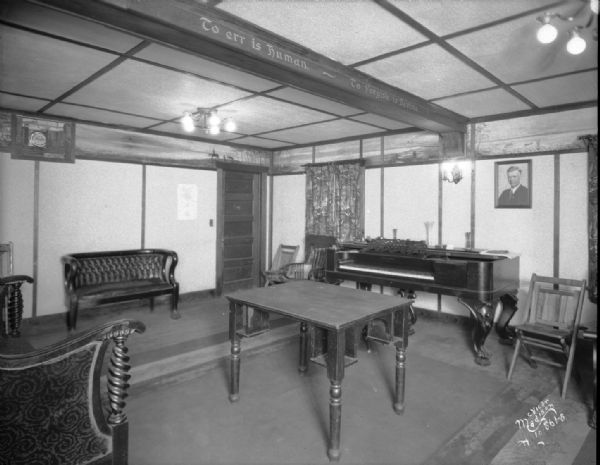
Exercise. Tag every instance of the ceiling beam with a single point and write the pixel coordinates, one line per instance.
(217, 35)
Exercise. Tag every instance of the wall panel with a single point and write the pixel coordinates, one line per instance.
(84, 207)
(190, 235)
(17, 218)
(289, 211)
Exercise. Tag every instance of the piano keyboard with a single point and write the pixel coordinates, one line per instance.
(388, 271)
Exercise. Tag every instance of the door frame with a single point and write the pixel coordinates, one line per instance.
(259, 220)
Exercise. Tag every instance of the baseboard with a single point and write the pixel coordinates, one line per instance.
(107, 309)
(427, 314)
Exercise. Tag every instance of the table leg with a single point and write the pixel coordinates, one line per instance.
(234, 366)
(402, 325)
(303, 363)
(400, 377)
(336, 349)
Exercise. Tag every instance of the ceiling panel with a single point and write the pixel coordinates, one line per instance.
(486, 102)
(447, 16)
(380, 121)
(194, 64)
(310, 100)
(38, 67)
(348, 32)
(322, 131)
(260, 114)
(175, 128)
(260, 142)
(143, 89)
(512, 52)
(427, 72)
(578, 87)
(21, 103)
(64, 25)
(99, 116)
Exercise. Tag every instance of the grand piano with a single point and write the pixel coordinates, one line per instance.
(480, 279)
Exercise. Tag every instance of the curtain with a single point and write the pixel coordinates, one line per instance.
(334, 199)
(591, 142)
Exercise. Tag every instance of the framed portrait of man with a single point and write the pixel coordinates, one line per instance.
(512, 184)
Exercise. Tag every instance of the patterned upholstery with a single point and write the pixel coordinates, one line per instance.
(50, 401)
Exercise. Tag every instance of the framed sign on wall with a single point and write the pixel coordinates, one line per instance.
(513, 184)
(42, 139)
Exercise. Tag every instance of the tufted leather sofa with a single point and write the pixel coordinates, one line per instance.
(95, 278)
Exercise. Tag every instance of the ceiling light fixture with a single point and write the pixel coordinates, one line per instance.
(547, 33)
(208, 120)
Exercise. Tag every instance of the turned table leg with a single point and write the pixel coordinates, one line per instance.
(234, 364)
(303, 363)
(336, 348)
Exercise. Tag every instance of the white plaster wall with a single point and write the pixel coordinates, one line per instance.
(574, 250)
(372, 202)
(289, 211)
(456, 213)
(86, 206)
(16, 218)
(410, 199)
(194, 240)
(529, 232)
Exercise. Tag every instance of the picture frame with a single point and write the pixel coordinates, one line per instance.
(512, 184)
(42, 139)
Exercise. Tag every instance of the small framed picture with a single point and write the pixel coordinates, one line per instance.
(512, 184)
(42, 139)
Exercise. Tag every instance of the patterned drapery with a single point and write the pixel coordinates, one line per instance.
(334, 199)
(591, 142)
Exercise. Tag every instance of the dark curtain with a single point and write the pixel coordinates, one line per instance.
(334, 199)
(591, 142)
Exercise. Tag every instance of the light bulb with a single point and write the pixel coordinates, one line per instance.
(594, 6)
(576, 44)
(213, 119)
(547, 33)
(229, 125)
(187, 122)
(214, 130)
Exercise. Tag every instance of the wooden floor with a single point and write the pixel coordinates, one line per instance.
(175, 351)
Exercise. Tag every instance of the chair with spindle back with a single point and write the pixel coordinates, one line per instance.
(11, 298)
(554, 307)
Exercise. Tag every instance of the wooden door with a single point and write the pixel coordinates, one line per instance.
(240, 231)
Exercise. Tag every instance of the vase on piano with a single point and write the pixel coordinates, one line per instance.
(428, 228)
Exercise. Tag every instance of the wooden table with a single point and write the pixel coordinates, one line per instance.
(338, 314)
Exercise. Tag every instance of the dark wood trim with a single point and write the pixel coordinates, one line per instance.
(440, 213)
(529, 154)
(556, 224)
(536, 112)
(101, 72)
(219, 231)
(36, 235)
(471, 157)
(452, 50)
(188, 26)
(381, 187)
(238, 166)
(143, 232)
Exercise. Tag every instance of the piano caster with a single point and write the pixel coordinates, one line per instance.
(482, 357)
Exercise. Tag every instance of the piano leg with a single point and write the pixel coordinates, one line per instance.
(509, 308)
(483, 316)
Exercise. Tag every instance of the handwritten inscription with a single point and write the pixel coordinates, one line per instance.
(251, 43)
(540, 419)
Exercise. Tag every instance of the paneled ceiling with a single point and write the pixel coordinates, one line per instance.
(383, 66)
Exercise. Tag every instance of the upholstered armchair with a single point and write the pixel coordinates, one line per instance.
(52, 409)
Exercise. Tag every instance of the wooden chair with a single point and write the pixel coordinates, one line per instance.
(554, 307)
(11, 297)
(315, 252)
(285, 254)
(53, 410)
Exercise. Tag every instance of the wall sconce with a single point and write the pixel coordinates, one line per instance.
(208, 120)
(453, 171)
(547, 33)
